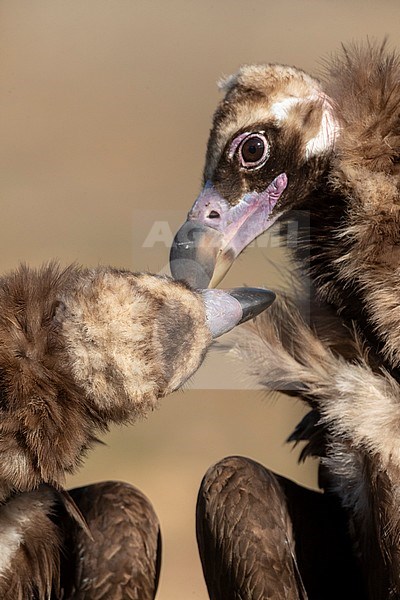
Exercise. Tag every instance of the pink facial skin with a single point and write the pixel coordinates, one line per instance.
(216, 232)
(242, 223)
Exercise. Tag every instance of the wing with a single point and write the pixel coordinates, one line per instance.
(122, 560)
(47, 551)
(245, 534)
(262, 536)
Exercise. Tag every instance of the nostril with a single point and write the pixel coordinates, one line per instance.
(214, 215)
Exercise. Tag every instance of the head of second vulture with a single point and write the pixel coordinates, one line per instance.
(272, 136)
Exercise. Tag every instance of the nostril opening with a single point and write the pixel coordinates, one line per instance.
(214, 215)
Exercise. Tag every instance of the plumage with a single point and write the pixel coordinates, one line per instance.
(244, 510)
(263, 539)
(29, 546)
(329, 150)
(81, 349)
(126, 537)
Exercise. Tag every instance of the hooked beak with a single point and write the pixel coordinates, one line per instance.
(216, 232)
(227, 308)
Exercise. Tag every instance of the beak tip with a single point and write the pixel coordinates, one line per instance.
(252, 300)
(227, 308)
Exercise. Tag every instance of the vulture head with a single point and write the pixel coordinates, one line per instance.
(283, 141)
(81, 349)
(269, 147)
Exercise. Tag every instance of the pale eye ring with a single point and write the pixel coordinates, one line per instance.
(252, 149)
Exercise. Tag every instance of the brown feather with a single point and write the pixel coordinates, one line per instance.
(122, 561)
(29, 546)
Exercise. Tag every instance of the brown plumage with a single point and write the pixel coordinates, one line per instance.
(47, 551)
(126, 538)
(283, 142)
(81, 349)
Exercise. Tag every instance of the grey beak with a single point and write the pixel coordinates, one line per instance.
(252, 300)
(194, 253)
(226, 309)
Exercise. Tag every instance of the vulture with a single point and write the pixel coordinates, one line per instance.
(81, 349)
(325, 152)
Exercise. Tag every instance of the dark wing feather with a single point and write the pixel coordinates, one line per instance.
(123, 560)
(263, 536)
(245, 534)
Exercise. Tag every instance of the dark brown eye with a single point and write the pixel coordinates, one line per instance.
(253, 151)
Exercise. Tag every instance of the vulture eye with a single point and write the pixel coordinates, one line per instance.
(252, 148)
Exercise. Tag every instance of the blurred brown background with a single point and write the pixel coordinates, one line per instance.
(105, 112)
